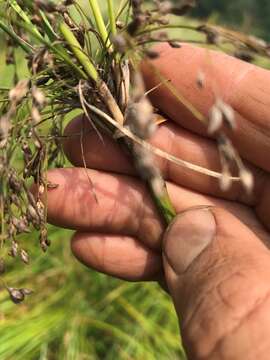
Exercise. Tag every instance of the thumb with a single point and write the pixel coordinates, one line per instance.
(218, 274)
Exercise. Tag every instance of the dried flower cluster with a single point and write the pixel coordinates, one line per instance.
(68, 72)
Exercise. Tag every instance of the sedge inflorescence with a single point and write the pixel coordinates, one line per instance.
(76, 61)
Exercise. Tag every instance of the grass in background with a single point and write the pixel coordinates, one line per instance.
(76, 313)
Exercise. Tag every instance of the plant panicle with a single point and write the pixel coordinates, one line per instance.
(93, 68)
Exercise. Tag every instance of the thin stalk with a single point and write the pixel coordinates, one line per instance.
(56, 48)
(165, 27)
(91, 71)
(47, 27)
(112, 17)
(100, 22)
(78, 52)
(23, 15)
(15, 37)
(162, 201)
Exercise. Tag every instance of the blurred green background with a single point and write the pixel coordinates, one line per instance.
(77, 314)
(247, 15)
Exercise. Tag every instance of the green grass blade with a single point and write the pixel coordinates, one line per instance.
(112, 17)
(15, 37)
(47, 27)
(100, 22)
(78, 51)
(23, 15)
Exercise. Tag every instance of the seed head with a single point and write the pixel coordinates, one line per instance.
(215, 119)
(16, 295)
(120, 43)
(19, 91)
(14, 248)
(225, 180)
(24, 256)
(227, 112)
(38, 97)
(26, 291)
(174, 44)
(247, 179)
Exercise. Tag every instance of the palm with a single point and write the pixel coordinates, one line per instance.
(121, 233)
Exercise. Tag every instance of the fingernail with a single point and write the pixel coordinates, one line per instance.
(187, 237)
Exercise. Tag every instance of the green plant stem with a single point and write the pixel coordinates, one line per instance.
(164, 204)
(163, 201)
(78, 52)
(15, 37)
(112, 17)
(91, 71)
(55, 48)
(165, 27)
(100, 22)
(23, 15)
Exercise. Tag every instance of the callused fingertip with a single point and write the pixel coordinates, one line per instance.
(187, 237)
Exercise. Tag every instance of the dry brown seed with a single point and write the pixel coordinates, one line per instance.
(26, 291)
(244, 55)
(183, 8)
(52, 186)
(69, 2)
(44, 246)
(14, 248)
(24, 256)
(120, 25)
(16, 295)
(20, 224)
(174, 44)
(120, 43)
(151, 54)
(31, 198)
(32, 214)
(212, 35)
(136, 23)
(27, 152)
(228, 113)
(48, 242)
(14, 183)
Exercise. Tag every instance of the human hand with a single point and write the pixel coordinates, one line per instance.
(215, 260)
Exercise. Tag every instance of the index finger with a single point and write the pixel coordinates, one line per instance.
(242, 85)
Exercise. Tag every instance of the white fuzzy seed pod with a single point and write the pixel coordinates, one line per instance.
(215, 119)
